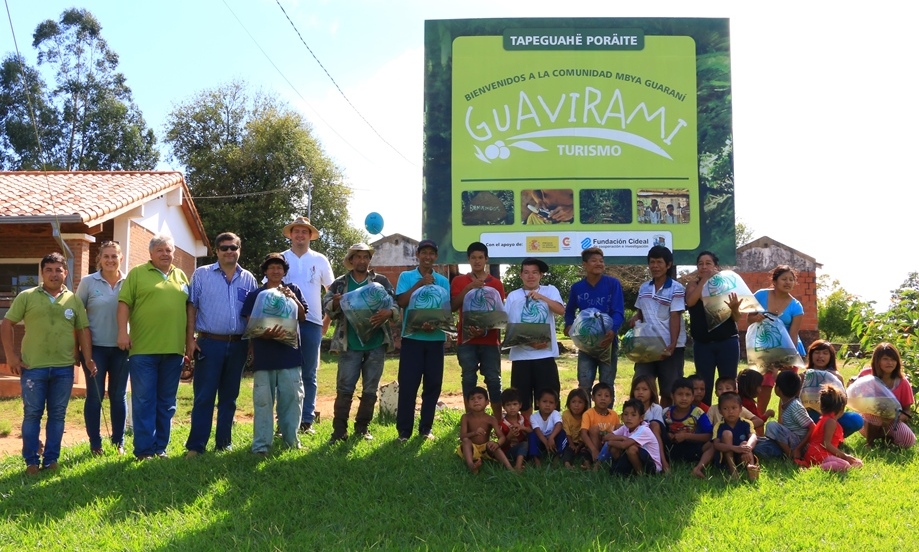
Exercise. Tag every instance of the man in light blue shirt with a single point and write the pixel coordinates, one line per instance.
(217, 294)
(421, 357)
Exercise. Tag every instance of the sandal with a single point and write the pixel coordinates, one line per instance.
(753, 469)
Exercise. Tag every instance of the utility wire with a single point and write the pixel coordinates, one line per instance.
(294, 88)
(342, 92)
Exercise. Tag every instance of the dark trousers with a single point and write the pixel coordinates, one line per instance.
(419, 361)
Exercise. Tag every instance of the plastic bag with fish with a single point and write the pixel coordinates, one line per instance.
(272, 309)
(874, 401)
(526, 333)
(813, 381)
(588, 330)
(483, 309)
(715, 293)
(643, 343)
(359, 305)
(769, 347)
(428, 305)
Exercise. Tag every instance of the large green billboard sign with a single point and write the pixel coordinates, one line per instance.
(544, 137)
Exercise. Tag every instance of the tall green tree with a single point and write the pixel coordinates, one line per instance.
(833, 303)
(899, 324)
(87, 119)
(249, 159)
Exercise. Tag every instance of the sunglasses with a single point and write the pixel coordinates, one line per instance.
(233, 247)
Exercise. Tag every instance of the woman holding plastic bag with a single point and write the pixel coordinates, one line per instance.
(717, 347)
(887, 367)
(779, 301)
(273, 312)
(660, 305)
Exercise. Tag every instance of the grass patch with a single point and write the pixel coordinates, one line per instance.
(386, 495)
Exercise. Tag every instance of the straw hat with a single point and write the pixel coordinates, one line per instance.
(354, 249)
(302, 221)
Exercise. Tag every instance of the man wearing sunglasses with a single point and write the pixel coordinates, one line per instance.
(217, 294)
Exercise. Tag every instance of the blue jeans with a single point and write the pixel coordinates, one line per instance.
(776, 433)
(154, 383)
(41, 386)
(419, 360)
(588, 367)
(111, 361)
(310, 339)
(724, 355)
(284, 386)
(480, 358)
(217, 375)
(367, 365)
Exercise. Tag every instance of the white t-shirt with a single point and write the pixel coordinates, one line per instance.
(546, 426)
(536, 311)
(656, 412)
(645, 439)
(310, 271)
(657, 304)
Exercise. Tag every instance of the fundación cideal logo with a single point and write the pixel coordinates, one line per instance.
(585, 243)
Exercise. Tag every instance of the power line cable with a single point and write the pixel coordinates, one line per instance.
(294, 88)
(342, 92)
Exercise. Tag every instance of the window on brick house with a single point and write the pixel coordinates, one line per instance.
(15, 278)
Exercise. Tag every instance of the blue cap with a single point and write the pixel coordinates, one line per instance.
(427, 243)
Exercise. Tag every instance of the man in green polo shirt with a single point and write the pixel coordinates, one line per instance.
(56, 322)
(152, 299)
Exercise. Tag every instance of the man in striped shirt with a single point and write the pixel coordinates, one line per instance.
(660, 305)
(217, 294)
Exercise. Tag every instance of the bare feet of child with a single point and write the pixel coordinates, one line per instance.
(585, 465)
(699, 471)
(569, 466)
(474, 467)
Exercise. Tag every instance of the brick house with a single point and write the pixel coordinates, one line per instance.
(90, 207)
(755, 262)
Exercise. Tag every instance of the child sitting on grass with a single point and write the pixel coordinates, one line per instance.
(598, 421)
(515, 427)
(790, 434)
(634, 447)
(645, 390)
(575, 452)
(688, 428)
(723, 385)
(886, 366)
(547, 436)
(749, 384)
(734, 437)
(698, 392)
(822, 450)
(475, 434)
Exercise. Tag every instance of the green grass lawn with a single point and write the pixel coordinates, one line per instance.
(386, 495)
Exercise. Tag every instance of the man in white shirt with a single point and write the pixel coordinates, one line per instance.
(312, 273)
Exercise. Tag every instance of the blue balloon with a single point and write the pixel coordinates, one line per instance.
(374, 223)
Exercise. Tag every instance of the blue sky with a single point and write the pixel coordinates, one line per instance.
(823, 106)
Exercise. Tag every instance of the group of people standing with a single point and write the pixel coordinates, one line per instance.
(148, 323)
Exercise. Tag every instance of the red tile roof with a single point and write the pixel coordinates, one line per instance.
(90, 197)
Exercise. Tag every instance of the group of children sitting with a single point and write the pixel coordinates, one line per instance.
(646, 438)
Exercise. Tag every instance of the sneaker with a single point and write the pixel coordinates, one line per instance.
(192, 454)
(120, 450)
(161, 454)
(97, 452)
(429, 436)
(366, 435)
(260, 453)
(340, 438)
(403, 440)
(143, 457)
(32, 469)
(307, 428)
(228, 448)
(50, 467)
